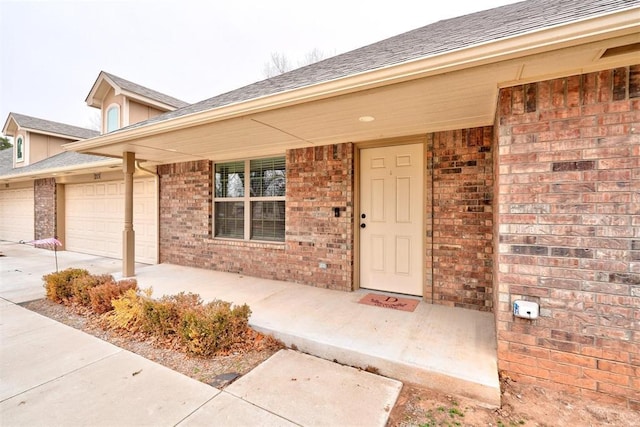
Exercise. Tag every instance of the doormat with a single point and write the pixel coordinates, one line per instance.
(387, 301)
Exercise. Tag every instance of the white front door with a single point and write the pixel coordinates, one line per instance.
(391, 218)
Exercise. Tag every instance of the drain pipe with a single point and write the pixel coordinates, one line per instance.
(150, 172)
(433, 282)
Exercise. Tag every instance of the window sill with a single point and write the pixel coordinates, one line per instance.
(248, 243)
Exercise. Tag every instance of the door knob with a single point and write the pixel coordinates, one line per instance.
(363, 225)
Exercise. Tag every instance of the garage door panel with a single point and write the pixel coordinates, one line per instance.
(17, 214)
(95, 218)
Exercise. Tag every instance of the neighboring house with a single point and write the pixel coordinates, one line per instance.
(122, 102)
(79, 197)
(37, 147)
(474, 162)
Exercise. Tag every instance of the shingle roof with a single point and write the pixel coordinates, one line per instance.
(65, 159)
(53, 127)
(6, 161)
(437, 38)
(146, 92)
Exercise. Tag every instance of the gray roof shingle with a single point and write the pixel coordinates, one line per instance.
(146, 92)
(53, 127)
(6, 161)
(437, 38)
(65, 159)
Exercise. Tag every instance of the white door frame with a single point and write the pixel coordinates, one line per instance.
(426, 217)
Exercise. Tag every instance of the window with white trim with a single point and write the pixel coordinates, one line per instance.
(19, 148)
(249, 202)
(113, 118)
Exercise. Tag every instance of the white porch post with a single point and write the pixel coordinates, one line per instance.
(128, 235)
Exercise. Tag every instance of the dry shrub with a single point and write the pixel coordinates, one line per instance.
(162, 317)
(128, 310)
(102, 295)
(213, 328)
(81, 286)
(59, 285)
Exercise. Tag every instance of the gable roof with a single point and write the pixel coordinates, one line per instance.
(35, 124)
(438, 38)
(130, 88)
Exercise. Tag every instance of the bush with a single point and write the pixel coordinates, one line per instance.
(81, 285)
(59, 285)
(102, 295)
(128, 310)
(213, 328)
(163, 316)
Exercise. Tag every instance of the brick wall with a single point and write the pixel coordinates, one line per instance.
(318, 179)
(569, 233)
(462, 194)
(185, 212)
(45, 208)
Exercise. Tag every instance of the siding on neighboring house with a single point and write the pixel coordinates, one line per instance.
(44, 146)
(569, 233)
(140, 112)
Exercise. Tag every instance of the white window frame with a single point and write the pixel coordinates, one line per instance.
(111, 107)
(20, 144)
(246, 199)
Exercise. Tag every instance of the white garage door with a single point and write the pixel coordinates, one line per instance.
(16, 214)
(94, 218)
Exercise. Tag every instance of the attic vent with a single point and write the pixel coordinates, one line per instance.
(621, 50)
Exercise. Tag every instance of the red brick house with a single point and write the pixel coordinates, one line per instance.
(474, 162)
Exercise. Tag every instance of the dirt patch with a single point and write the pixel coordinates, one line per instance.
(523, 405)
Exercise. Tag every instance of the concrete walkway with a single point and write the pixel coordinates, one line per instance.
(451, 350)
(52, 374)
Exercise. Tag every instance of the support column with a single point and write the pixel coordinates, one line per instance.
(128, 235)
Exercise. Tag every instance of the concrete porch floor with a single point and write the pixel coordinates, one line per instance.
(446, 349)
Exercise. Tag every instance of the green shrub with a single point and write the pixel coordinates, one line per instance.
(213, 328)
(128, 310)
(81, 285)
(59, 285)
(102, 295)
(162, 317)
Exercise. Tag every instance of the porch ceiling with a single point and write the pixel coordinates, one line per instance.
(440, 99)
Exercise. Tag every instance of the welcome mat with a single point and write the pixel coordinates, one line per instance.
(387, 301)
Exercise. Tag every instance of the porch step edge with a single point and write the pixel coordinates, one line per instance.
(486, 395)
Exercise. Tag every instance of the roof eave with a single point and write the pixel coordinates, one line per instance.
(90, 99)
(6, 123)
(546, 39)
(146, 100)
(47, 173)
(57, 135)
(39, 131)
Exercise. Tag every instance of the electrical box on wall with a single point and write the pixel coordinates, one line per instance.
(526, 309)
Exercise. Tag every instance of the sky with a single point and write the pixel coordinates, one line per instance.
(51, 52)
